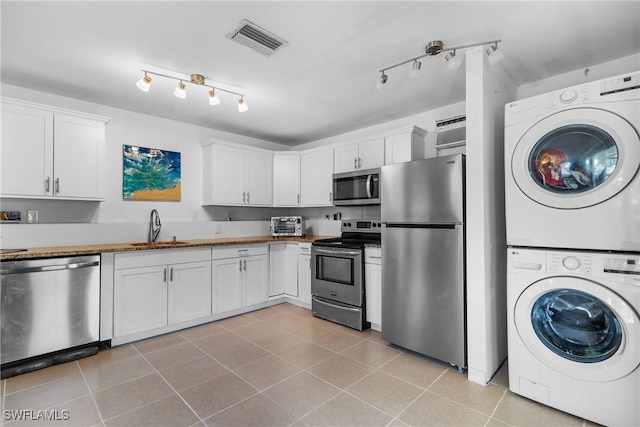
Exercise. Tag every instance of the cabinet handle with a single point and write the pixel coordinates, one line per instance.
(244, 197)
(245, 265)
(248, 197)
(359, 163)
(298, 198)
(57, 185)
(165, 274)
(171, 278)
(240, 265)
(355, 163)
(47, 184)
(330, 196)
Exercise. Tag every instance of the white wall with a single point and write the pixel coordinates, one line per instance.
(488, 89)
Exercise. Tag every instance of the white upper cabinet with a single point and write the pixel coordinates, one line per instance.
(237, 176)
(365, 154)
(286, 179)
(51, 153)
(404, 145)
(317, 171)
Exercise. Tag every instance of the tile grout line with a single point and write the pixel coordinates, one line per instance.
(93, 399)
(504, 393)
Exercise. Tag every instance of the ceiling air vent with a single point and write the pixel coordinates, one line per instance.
(256, 38)
(451, 132)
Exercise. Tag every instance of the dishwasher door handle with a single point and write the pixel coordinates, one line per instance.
(42, 268)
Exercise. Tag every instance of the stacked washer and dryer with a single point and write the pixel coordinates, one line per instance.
(572, 199)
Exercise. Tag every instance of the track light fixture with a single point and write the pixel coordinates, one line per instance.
(144, 84)
(494, 54)
(381, 81)
(242, 106)
(435, 47)
(415, 70)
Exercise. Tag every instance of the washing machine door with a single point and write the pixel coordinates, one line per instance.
(576, 158)
(579, 328)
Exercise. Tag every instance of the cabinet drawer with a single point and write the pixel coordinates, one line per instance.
(239, 251)
(372, 255)
(148, 258)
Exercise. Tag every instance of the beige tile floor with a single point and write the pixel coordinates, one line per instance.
(274, 367)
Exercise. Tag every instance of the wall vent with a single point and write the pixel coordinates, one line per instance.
(256, 38)
(451, 132)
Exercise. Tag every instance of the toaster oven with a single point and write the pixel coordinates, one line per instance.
(282, 226)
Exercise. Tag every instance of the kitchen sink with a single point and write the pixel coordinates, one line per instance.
(166, 244)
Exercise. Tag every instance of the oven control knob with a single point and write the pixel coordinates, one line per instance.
(379, 225)
(571, 263)
(373, 224)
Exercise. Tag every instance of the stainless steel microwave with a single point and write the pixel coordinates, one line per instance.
(357, 188)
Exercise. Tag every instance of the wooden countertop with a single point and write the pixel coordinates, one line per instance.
(61, 251)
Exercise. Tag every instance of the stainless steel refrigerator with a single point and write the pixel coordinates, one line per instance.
(423, 257)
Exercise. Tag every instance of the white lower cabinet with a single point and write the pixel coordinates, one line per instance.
(153, 289)
(304, 273)
(283, 269)
(373, 286)
(240, 276)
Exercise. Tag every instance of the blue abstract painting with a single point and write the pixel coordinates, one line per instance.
(150, 174)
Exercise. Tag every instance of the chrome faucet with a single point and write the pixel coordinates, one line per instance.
(154, 225)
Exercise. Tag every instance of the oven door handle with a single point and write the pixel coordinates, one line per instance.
(347, 252)
(340, 306)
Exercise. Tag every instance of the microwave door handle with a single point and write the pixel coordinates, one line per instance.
(369, 190)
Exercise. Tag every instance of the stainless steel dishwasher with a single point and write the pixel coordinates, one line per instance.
(50, 311)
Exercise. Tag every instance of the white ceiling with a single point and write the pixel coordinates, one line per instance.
(323, 82)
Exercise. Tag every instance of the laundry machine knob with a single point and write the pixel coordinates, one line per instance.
(571, 263)
(568, 95)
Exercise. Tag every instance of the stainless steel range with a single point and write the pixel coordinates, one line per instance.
(337, 281)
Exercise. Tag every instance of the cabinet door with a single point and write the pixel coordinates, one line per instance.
(371, 153)
(255, 271)
(189, 291)
(26, 151)
(228, 176)
(291, 270)
(277, 253)
(227, 284)
(304, 279)
(345, 158)
(286, 180)
(373, 293)
(258, 178)
(139, 300)
(78, 156)
(317, 183)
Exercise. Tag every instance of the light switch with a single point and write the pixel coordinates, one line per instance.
(32, 216)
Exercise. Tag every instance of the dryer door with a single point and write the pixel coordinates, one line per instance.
(579, 328)
(576, 158)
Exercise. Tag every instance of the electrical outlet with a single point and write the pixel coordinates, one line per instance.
(218, 229)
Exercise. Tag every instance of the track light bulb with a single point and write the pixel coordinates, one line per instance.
(415, 70)
(381, 81)
(144, 84)
(181, 90)
(493, 54)
(453, 60)
(242, 106)
(213, 98)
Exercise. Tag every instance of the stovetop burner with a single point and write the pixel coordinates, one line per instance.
(356, 233)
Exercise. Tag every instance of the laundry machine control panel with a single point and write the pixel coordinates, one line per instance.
(577, 263)
(623, 264)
